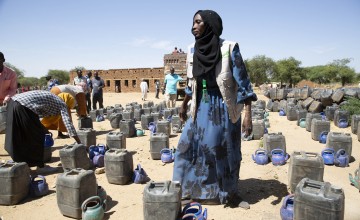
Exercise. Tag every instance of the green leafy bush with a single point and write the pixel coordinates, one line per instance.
(352, 106)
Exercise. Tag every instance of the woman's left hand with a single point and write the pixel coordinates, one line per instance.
(247, 123)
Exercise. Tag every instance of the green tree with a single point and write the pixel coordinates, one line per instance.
(61, 75)
(289, 71)
(19, 72)
(342, 71)
(28, 81)
(260, 69)
(319, 74)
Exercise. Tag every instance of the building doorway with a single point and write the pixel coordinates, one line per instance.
(117, 86)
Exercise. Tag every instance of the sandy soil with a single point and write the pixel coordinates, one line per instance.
(262, 186)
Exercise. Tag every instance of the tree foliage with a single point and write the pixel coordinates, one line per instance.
(260, 69)
(289, 71)
(19, 72)
(342, 71)
(29, 81)
(61, 75)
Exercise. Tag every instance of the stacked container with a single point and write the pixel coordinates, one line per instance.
(118, 166)
(115, 119)
(330, 111)
(305, 164)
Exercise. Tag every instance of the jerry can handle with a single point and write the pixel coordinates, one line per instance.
(287, 198)
(38, 176)
(96, 198)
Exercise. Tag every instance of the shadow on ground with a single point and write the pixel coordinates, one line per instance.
(254, 190)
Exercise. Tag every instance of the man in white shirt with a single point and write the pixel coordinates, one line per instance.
(144, 89)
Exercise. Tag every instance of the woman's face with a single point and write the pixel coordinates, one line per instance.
(198, 26)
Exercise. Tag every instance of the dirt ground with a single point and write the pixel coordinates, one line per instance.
(263, 187)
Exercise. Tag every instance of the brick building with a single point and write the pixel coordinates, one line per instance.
(128, 80)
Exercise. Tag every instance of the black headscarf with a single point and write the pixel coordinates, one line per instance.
(207, 47)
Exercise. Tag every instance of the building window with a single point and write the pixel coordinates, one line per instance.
(108, 83)
(127, 83)
(134, 83)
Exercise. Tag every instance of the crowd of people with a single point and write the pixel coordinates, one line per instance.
(208, 155)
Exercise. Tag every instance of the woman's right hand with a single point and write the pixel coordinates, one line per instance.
(183, 109)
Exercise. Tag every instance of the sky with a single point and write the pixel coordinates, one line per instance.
(40, 35)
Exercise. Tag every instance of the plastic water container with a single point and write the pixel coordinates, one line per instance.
(257, 113)
(310, 117)
(175, 120)
(74, 156)
(316, 94)
(305, 164)
(93, 114)
(138, 113)
(315, 107)
(163, 126)
(339, 140)
(145, 120)
(73, 187)
(129, 107)
(307, 102)
(85, 122)
(127, 115)
(274, 141)
(87, 136)
(269, 105)
(158, 141)
(330, 112)
(272, 94)
(340, 114)
(147, 111)
(325, 97)
(338, 95)
(318, 126)
(148, 104)
(354, 123)
(305, 92)
(156, 116)
(318, 200)
(261, 104)
(154, 108)
(300, 113)
(127, 127)
(167, 113)
(14, 182)
(116, 140)
(118, 166)
(3, 115)
(291, 113)
(114, 119)
(258, 129)
(276, 106)
(162, 200)
(281, 94)
(358, 132)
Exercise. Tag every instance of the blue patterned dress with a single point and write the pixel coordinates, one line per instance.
(208, 155)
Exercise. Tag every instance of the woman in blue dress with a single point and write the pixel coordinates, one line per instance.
(208, 155)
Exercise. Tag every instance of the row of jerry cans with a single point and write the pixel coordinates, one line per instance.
(314, 199)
